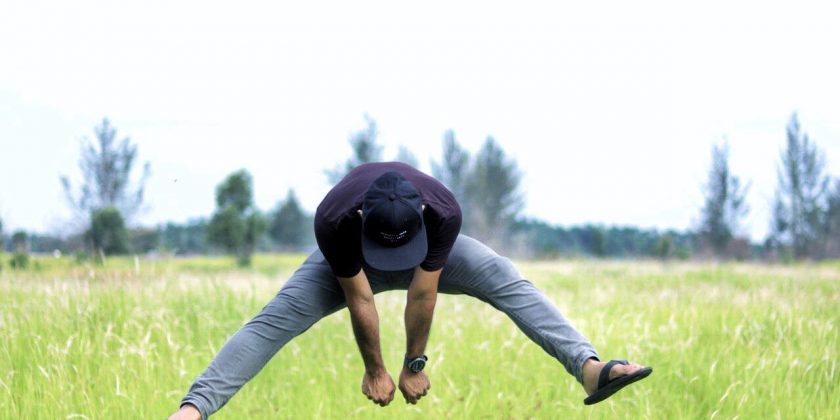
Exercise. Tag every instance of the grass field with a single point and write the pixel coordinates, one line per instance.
(126, 340)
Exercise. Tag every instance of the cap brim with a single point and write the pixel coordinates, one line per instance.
(399, 258)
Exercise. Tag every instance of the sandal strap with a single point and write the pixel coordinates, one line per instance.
(604, 377)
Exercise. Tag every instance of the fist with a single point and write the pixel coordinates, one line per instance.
(414, 385)
(379, 388)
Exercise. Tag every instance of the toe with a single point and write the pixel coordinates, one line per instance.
(622, 370)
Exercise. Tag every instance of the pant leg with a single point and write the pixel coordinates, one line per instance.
(474, 269)
(309, 295)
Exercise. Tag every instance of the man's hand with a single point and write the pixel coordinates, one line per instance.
(187, 412)
(379, 388)
(414, 385)
(377, 383)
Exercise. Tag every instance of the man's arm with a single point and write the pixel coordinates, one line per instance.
(419, 311)
(376, 383)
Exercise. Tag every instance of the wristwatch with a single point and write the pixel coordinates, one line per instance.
(416, 364)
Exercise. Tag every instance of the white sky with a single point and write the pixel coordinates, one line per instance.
(610, 109)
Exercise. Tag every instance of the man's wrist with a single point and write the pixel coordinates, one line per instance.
(376, 370)
(408, 371)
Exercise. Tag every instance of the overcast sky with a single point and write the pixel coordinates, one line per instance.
(610, 109)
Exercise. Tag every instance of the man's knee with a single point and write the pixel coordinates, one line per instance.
(289, 313)
(491, 274)
(471, 257)
(495, 269)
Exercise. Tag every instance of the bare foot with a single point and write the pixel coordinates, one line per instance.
(187, 412)
(592, 370)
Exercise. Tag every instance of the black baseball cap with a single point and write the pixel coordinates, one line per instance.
(393, 232)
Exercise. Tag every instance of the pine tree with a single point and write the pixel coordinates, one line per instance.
(106, 167)
(725, 203)
(831, 230)
(799, 205)
(290, 227)
(405, 156)
(454, 169)
(492, 194)
(365, 149)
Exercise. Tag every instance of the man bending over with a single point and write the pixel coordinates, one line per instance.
(389, 226)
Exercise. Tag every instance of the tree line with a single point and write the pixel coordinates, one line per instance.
(805, 217)
(805, 213)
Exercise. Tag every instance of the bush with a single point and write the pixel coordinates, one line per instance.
(664, 248)
(236, 226)
(81, 257)
(20, 260)
(107, 232)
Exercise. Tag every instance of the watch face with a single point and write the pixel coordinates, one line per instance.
(417, 365)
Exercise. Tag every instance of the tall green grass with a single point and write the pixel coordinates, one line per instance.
(126, 340)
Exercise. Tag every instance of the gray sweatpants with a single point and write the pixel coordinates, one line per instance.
(313, 292)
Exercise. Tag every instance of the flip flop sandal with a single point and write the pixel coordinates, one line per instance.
(607, 387)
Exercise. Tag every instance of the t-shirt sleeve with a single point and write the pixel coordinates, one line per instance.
(442, 233)
(341, 246)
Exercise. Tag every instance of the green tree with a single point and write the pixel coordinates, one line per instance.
(189, 238)
(799, 205)
(142, 240)
(454, 170)
(493, 195)
(289, 226)
(106, 175)
(20, 248)
(20, 242)
(725, 203)
(598, 241)
(832, 223)
(255, 225)
(107, 233)
(405, 156)
(236, 191)
(227, 230)
(365, 149)
(664, 247)
(236, 226)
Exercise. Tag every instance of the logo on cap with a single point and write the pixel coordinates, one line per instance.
(393, 235)
(393, 238)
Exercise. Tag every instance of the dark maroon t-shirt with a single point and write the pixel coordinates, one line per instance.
(338, 225)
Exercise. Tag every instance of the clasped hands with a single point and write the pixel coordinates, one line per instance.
(379, 387)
